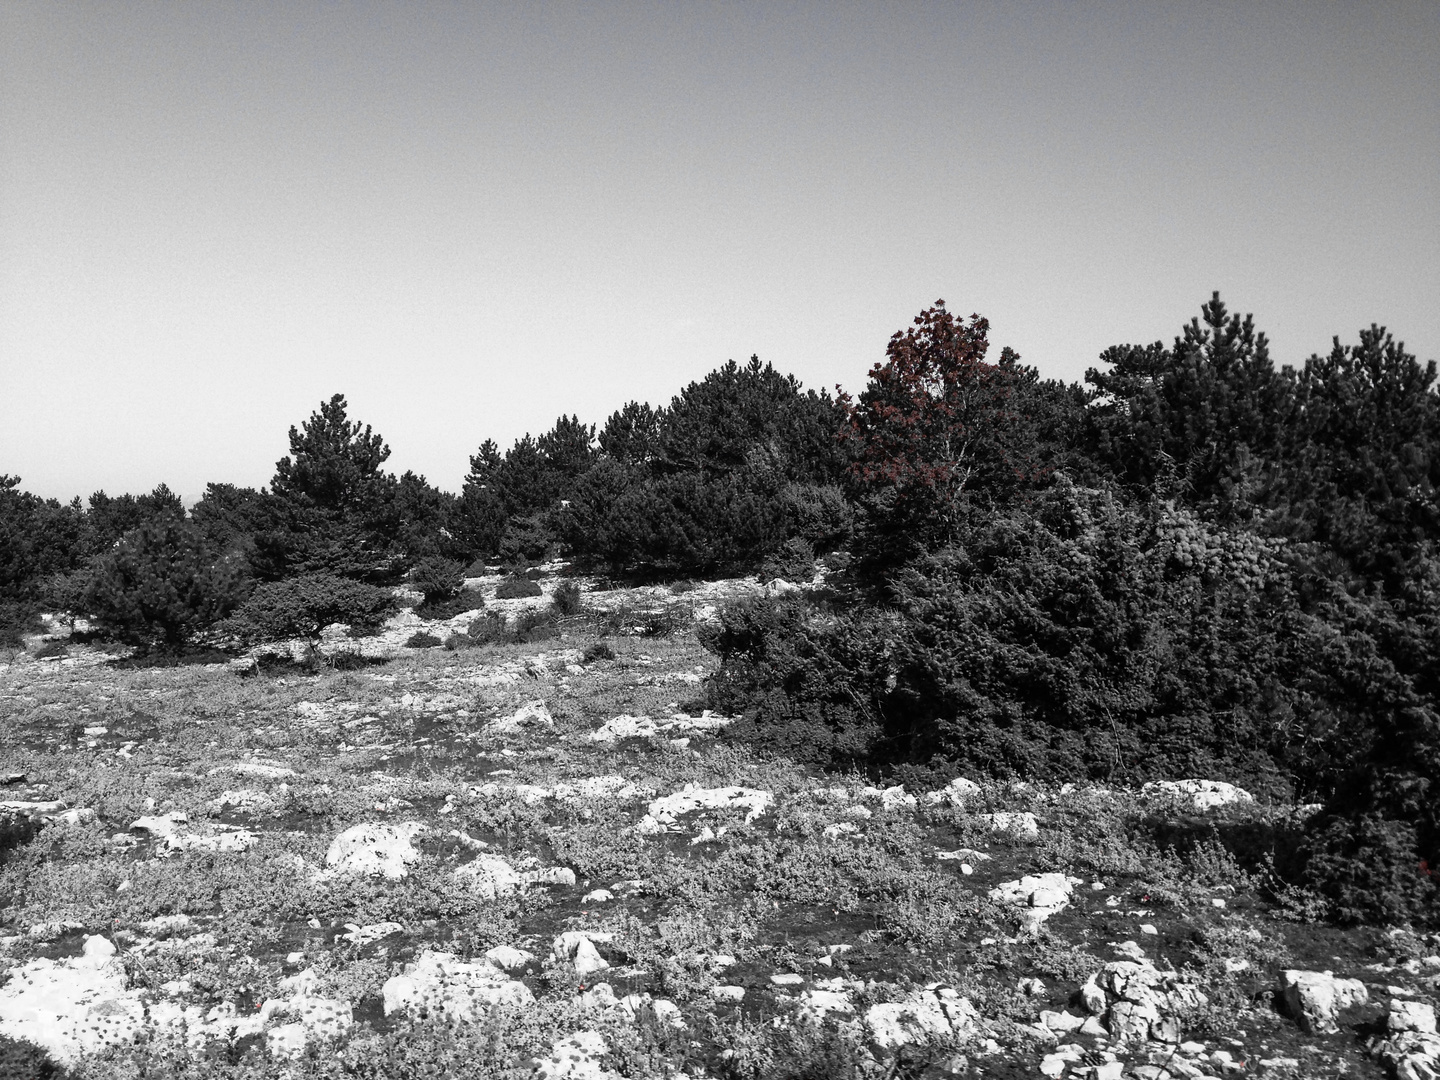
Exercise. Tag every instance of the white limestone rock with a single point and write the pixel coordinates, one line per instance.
(375, 849)
(1316, 998)
(955, 793)
(665, 812)
(489, 877)
(533, 714)
(1020, 824)
(1199, 794)
(578, 950)
(72, 1007)
(575, 1057)
(1037, 895)
(921, 1017)
(440, 985)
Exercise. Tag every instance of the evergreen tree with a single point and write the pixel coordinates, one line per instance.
(1201, 420)
(330, 507)
(632, 434)
(161, 584)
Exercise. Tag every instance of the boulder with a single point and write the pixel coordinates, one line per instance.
(1415, 1016)
(665, 812)
(576, 949)
(1019, 824)
(954, 793)
(531, 714)
(509, 959)
(440, 985)
(375, 849)
(1199, 794)
(575, 1057)
(1316, 998)
(1136, 1001)
(921, 1017)
(1037, 895)
(489, 876)
(72, 1007)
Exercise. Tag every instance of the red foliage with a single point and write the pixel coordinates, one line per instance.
(931, 424)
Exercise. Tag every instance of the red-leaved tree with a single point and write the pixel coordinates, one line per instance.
(934, 429)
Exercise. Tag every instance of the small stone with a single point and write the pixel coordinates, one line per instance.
(1148, 928)
(787, 979)
(727, 993)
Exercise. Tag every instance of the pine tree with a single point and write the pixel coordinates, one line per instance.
(330, 508)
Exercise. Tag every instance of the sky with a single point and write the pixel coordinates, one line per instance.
(472, 218)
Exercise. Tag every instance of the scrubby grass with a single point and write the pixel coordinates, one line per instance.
(412, 740)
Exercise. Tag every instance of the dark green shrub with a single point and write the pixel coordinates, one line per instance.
(803, 694)
(463, 601)
(566, 598)
(51, 650)
(303, 606)
(795, 561)
(516, 588)
(601, 650)
(488, 629)
(422, 640)
(526, 539)
(1371, 870)
(17, 620)
(161, 585)
(535, 625)
(438, 579)
(1055, 638)
(26, 1061)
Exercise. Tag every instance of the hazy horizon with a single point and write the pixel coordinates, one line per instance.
(471, 219)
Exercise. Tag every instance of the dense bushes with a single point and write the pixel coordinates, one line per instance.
(1060, 638)
(303, 606)
(1240, 582)
(517, 588)
(438, 579)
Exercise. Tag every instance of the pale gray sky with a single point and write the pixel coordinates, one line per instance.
(471, 218)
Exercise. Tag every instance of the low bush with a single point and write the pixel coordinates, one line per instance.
(488, 629)
(566, 598)
(438, 579)
(26, 1061)
(463, 601)
(17, 620)
(51, 650)
(601, 650)
(535, 625)
(626, 620)
(303, 606)
(517, 588)
(422, 640)
(795, 561)
(1370, 871)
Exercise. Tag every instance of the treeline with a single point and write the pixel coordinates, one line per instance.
(1196, 563)
(735, 466)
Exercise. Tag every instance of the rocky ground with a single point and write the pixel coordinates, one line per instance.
(544, 859)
